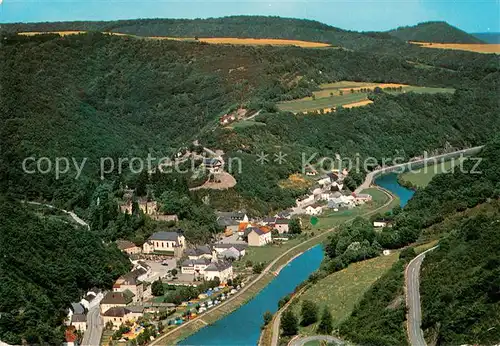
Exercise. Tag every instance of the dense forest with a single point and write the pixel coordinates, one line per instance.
(439, 32)
(459, 287)
(45, 264)
(276, 27)
(95, 96)
(126, 97)
(460, 284)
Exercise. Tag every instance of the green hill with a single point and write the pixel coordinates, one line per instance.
(46, 264)
(460, 287)
(439, 32)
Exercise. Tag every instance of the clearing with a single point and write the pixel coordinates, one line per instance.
(210, 40)
(424, 175)
(348, 94)
(332, 218)
(341, 291)
(472, 47)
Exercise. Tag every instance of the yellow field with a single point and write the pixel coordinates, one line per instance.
(210, 40)
(358, 104)
(477, 48)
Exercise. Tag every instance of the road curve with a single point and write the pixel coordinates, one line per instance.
(414, 315)
(264, 272)
(372, 175)
(277, 317)
(304, 340)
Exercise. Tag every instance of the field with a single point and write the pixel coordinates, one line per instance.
(210, 40)
(348, 94)
(477, 48)
(341, 291)
(424, 175)
(331, 219)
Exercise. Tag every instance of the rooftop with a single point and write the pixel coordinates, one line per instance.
(169, 236)
(125, 244)
(78, 318)
(114, 298)
(116, 311)
(218, 266)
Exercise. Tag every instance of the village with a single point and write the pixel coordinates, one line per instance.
(172, 282)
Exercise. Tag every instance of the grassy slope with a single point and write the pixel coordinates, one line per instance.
(342, 290)
(423, 176)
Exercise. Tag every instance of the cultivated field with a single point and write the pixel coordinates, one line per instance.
(477, 48)
(341, 291)
(210, 40)
(348, 95)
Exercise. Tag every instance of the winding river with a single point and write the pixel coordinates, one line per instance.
(390, 182)
(242, 327)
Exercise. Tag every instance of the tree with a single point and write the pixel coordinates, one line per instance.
(268, 317)
(157, 288)
(294, 227)
(174, 272)
(289, 323)
(325, 325)
(258, 267)
(309, 313)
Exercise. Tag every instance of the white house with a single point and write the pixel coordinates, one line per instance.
(258, 237)
(221, 269)
(362, 198)
(79, 321)
(305, 202)
(314, 210)
(282, 225)
(196, 266)
(324, 181)
(171, 243)
(381, 223)
(198, 252)
(221, 248)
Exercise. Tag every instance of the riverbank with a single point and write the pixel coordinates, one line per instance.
(251, 289)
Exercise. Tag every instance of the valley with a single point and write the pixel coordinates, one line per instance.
(284, 206)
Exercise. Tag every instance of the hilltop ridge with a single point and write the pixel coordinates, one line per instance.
(438, 32)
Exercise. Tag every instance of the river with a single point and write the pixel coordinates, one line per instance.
(242, 327)
(390, 182)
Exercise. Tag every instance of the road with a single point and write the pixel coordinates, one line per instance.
(70, 213)
(261, 275)
(372, 175)
(277, 318)
(327, 338)
(92, 336)
(414, 315)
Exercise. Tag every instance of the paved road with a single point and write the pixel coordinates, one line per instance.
(371, 176)
(92, 336)
(261, 275)
(414, 316)
(327, 338)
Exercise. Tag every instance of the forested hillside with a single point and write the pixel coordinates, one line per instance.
(460, 284)
(439, 32)
(460, 288)
(102, 96)
(45, 265)
(274, 27)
